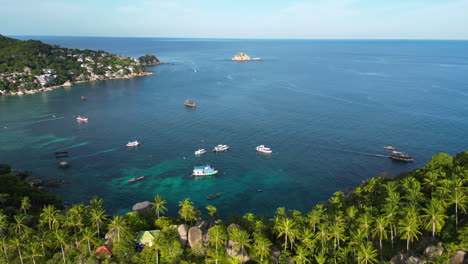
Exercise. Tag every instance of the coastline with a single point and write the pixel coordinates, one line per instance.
(70, 84)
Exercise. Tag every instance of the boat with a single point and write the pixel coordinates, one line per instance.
(82, 119)
(61, 152)
(190, 103)
(263, 149)
(397, 155)
(211, 196)
(200, 152)
(61, 155)
(204, 170)
(220, 148)
(133, 143)
(136, 179)
(389, 147)
(83, 98)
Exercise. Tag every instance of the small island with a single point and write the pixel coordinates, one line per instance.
(243, 57)
(32, 66)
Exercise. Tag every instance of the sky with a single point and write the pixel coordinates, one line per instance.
(297, 19)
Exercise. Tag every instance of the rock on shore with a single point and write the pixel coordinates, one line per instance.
(243, 57)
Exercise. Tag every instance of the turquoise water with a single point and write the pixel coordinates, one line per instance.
(326, 108)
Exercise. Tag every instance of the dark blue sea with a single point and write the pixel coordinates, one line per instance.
(325, 107)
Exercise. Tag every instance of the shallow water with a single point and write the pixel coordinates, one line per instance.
(326, 108)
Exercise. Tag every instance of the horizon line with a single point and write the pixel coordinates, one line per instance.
(219, 38)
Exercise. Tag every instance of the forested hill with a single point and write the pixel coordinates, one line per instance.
(32, 65)
(416, 217)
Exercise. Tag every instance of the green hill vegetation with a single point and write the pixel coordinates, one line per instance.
(32, 65)
(379, 219)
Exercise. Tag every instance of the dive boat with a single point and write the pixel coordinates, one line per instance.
(133, 143)
(211, 196)
(221, 148)
(205, 170)
(82, 119)
(389, 147)
(200, 152)
(263, 149)
(190, 103)
(397, 155)
(136, 179)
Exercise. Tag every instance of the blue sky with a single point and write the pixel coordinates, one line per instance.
(316, 19)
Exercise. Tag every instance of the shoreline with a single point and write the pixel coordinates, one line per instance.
(70, 84)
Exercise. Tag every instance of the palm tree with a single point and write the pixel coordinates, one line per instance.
(365, 223)
(116, 228)
(390, 212)
(240, 238)
(323, 235)
(409, 230)
(96, 203)
(320, 258)
(159, 205)
(261, 248)
(367, 253)
(4, 244)
(72, 219)
(88, 236)
(380, 231)
(212, 211)
(25, 204)
(431, 181)
(301, 256)
(43, 239)
(49, 215)
(187, 210)
(18, 226)
(61, 237)
(218, 237)
(457, 197)
(390, 186)
(336, 231)
(33, 252)
(351, 212)
(307, 238)
(314, 218)
(393, 198)
(97, 218)
(287, 228)
(434, 216)
(18, 245)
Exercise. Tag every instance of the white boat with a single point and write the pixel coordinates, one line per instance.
(221, 148)
(82, 119)
(200, 152)
(133, 143)
(263, 149)
(205, 170)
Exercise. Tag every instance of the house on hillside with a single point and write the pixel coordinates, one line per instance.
(145, 238)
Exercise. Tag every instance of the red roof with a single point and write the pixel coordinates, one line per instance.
(107, 249)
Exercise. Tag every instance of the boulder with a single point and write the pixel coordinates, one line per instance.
(141, 207)
(241, 57)
(183, 234)
(433, 252)
(460, 257)
(195, 236)
(202, 224)
(33, 181)
(415, 260)
(63, 164)
(275, 254)
(233, 252)
(54, 183)
(67, 84)
(402, 258)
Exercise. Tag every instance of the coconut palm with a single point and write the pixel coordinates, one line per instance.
(5, 244)
(25, 204)
(434, 216)
(18, 225)
(365, 223)
(97, 218)
(241, 239)
(351, 213)
(43, 239)
(320, 258)
(393, 198)
(336, 232)
(116, 228)
(212, 211)
(431, 181)
(96, 203)
(187, 210)
(306, 236)
(457, 197)
(261, 248)
(218, 237)
(61, 237)
(17, 242)
(390, 186)
(301, 256)
(380, 231)
(159, 205)
(322, 235)
(409, 230)
(367, 253)
(3, 224)
(49, 215)
(88, 235)
(287, 228)
(314, 218)
(33, 252)
(73, 221)
(390, 213)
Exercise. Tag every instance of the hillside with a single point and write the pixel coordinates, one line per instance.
(33, 65)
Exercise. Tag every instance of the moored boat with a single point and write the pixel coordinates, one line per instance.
(82, 119)
(389, 147)
(220, 148)
(200, 152)
(136, 179)
(397, 155)
(263, 149)
(211, 196)
(204, 170)
(133, 143)
(190, 103)
(83, 98)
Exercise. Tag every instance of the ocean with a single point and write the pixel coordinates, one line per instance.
(325, 107)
